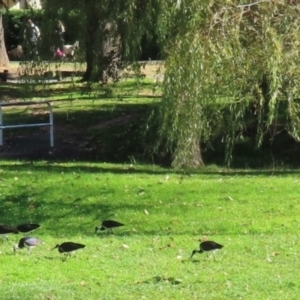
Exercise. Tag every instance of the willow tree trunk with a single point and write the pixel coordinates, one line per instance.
(196, 160)
(4, 61)
(191, 157)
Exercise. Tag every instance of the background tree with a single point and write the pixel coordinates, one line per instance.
(224, 63)
(4, 61)
(128, 21)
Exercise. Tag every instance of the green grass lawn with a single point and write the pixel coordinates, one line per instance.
(253, 214)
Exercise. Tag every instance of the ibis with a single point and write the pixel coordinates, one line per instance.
(68, 247)
(108, 225)
(207, 246)
(27, 242)
(6, 229)
(27, 227)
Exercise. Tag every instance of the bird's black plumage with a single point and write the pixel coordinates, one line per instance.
(5, 229)
(27, 227)
(207, 246)
(68, 247)
(108, 225)
(27, 242)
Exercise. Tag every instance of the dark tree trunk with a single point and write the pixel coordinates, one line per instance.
(92, 33)
(101, 48)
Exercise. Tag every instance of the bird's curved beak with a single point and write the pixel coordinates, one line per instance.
(194, 251)
(54, 247)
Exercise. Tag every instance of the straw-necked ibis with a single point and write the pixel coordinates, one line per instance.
(108, 225)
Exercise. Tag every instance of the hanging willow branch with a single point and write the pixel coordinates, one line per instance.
(229, 61)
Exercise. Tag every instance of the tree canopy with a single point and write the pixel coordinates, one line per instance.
(224, 61)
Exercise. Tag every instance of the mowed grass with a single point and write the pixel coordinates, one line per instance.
(255, 215)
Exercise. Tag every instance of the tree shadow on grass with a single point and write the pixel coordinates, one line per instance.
(85, 132)
(182, 175)
(58, 218)
(72, 216)
(62, 220)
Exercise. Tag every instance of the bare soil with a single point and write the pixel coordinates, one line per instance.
(152, 70)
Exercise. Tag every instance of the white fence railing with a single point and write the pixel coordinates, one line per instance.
(50, 123)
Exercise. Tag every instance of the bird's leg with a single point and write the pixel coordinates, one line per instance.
(69, 254)
(214, 254)
(65, 256)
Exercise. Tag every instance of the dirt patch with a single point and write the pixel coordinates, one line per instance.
(152, 70)
(72, 142)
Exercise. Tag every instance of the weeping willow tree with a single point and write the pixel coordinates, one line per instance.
(223, 58)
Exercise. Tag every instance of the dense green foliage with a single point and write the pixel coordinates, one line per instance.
(14, 24)
(120, 25)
